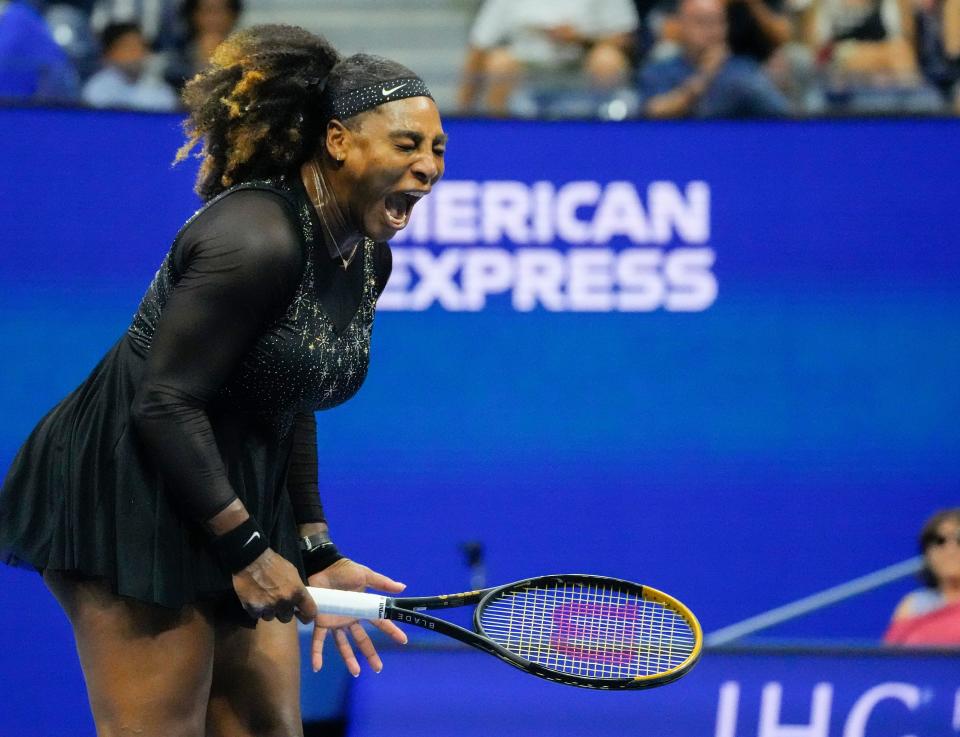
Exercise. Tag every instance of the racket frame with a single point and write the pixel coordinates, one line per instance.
(410, 610)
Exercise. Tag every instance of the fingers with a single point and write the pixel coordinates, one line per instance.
(362, 640)
(365, 644)
(389, 628)
(306, 606)
(272, 589)
(333, 621)
(346, 652)
(316, 647)
(383, 583)
(282, 610)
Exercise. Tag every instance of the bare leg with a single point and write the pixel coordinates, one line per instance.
(256, 682)
(147, 669)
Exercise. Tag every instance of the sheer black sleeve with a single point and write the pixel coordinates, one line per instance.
(240, 262)
(302, 477)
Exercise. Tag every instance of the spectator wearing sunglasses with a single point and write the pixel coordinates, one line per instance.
(931, 615)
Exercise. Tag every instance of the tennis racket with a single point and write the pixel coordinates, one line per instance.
(580, 630)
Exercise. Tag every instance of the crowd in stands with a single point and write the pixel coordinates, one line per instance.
(133, 54)
(713, 58)
(611, 59)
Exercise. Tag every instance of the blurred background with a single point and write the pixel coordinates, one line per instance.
(685, 310)
(611, 59)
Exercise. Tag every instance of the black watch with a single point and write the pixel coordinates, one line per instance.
(317, 540)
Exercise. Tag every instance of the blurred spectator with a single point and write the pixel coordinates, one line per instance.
(32, 66)
(866, 52)
(931, 615)
(533, 57)
(207, 22)
(656, 24)
(125, 81)
(158, 20)
(84, 6)
(704, 79)
(757, 28)
(70, 27)
(938, 43)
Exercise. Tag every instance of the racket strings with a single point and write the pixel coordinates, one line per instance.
(589, 630)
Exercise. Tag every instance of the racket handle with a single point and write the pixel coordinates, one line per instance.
(348, 603)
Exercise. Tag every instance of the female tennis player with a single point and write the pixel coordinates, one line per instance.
(171, 500)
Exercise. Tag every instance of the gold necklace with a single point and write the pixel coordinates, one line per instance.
(324, 192)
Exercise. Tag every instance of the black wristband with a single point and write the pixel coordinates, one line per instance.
(241, 546)
(320, 557)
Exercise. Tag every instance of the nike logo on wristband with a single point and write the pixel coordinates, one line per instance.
(387, 92)
(253, 536)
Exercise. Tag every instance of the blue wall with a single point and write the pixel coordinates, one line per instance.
(734, 693)
(785, 433)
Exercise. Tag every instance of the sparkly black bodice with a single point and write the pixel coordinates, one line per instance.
(300, 363)
(247, 328)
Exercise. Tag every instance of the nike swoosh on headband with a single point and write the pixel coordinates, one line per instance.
(386, 92)
(366, 98)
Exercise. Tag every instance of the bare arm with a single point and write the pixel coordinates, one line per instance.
(472, 79)
(904, 609)
(908, 27)
(682, 99)
(951, 28)
(808, 26)
(677, 102)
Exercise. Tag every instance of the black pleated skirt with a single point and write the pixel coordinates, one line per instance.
(83, 496)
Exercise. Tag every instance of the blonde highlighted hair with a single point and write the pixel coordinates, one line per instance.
(256, 111)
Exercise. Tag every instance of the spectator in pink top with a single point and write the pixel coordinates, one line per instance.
(931, 615)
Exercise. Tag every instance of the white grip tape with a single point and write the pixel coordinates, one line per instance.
(348, 603)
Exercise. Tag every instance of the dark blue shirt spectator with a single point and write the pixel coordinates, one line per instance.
(740, 89)
(703, 79)
(32, 65)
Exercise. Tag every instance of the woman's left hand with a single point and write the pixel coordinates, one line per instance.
(347, 575)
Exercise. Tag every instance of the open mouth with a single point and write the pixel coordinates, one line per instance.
(399, 205)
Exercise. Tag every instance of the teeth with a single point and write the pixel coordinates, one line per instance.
(415, 193)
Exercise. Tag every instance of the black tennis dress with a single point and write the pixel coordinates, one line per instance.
(248, 327)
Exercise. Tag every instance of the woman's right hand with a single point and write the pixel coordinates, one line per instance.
(271, 587)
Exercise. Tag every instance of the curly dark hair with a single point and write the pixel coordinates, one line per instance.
(926, 537)
(261, 107)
